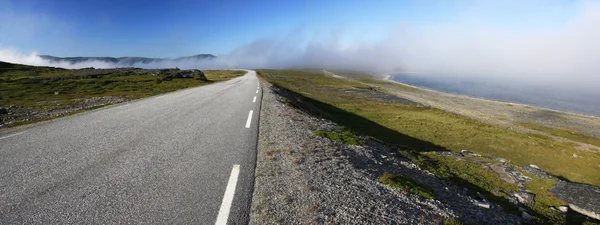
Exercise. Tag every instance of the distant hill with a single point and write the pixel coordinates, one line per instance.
(126, 61)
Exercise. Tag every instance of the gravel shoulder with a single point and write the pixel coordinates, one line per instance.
(302, 178)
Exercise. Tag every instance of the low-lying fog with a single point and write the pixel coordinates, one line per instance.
(539, 64)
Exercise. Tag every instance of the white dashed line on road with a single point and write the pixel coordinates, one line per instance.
(228, 196)
(249, 119)
(12, 135)
(256, 91)
(254, 100)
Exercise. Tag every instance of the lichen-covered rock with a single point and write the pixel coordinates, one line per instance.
(582, 198)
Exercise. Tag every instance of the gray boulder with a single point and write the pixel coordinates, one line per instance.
(188, 74)
(524, 197)
(582, 198)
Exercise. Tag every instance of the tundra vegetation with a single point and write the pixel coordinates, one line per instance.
(420, 131)
(32, 90)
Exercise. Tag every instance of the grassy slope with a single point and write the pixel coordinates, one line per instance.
(568, 133)
(424, 129)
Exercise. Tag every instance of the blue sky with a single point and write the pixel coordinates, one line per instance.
(185, 27)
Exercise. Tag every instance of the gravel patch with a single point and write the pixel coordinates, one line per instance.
(303, 178)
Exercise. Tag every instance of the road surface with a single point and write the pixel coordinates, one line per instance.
(186, 157)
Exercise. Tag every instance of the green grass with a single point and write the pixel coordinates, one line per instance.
(220, 75)
(30, 86)
(346, 137)
(467, 174)
(474, 173)
(417, 129)
(430, 129)
(21, 85)
(407, 185)
(569, 133)
(453, 222)
(387, 83)
(544, 199)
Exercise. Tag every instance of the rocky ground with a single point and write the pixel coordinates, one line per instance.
(50, 109)
(13, 114)
(302, 178)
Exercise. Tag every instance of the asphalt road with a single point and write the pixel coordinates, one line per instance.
(165, 159)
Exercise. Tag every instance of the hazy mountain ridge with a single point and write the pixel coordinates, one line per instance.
(130, 61)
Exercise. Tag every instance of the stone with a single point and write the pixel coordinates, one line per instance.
(482, 204)
(188, 74)
(581, 198)
(526, 216)
(585, 212)
(3, 111)
(480, 195)
(534, 166)
(563, 209)
(524, 197)
(500, 170)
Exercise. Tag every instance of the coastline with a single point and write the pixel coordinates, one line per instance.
(388, 78)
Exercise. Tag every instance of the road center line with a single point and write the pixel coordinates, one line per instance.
(256, 91)
(254, 100)
(12, 135)
(249, 119)
(228, 196)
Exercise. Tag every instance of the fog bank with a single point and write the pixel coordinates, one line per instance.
(566, 56)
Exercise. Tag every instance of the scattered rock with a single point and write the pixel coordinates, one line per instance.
(526, 216)
(585, 212)
(534, 166)
(524, 197)
(188, 74)
(503, 174)
(582, 198)
(536, 171)
(563, 209)
(482, 204)
(464, 152)
(56, 92)
(28, 113)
